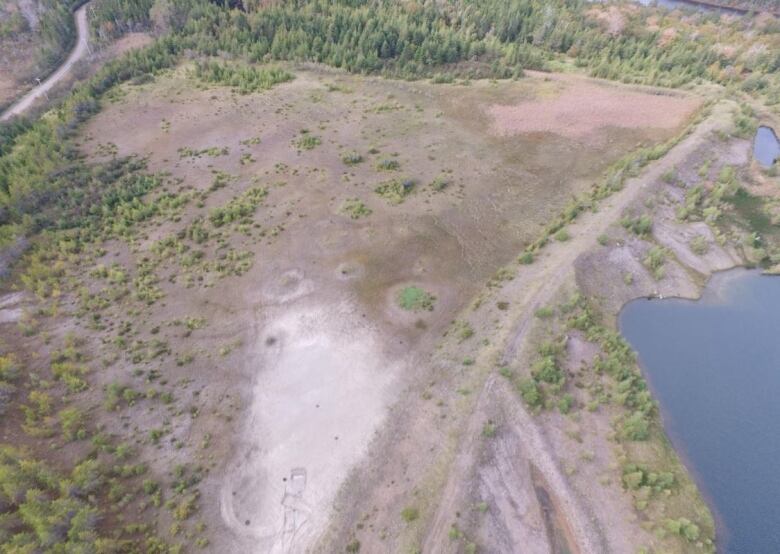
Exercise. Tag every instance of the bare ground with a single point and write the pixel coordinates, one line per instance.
(575, 109)
(320, 355)
(457, 472)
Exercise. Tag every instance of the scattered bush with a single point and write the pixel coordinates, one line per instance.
(238, 208)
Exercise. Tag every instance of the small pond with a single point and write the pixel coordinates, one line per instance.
(686, 5)
(766, 146)
(714, 366)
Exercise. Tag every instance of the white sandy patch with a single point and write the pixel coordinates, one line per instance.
(10, 310)
(323, 389)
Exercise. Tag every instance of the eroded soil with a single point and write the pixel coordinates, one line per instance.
(323, 409)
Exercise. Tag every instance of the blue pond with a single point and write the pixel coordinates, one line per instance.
(714, 366)
(766, 146)
(684, 5)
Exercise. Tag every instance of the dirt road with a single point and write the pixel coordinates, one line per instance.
(536, 286)
(79, 51)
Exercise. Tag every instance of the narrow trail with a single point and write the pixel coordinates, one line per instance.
(79, 51)
(535, 286)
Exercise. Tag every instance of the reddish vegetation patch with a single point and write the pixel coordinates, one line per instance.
(667, 36)
(612, 19)
(577, 111)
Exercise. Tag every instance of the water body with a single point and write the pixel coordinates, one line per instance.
(766, 146)
(714, 366)
(685, 5)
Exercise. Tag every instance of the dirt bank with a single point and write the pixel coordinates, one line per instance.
(579, 456)
(455, 405)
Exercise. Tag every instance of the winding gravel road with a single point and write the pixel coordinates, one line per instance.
(78, 52)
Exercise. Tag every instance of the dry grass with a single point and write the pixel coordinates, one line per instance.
(308, 258)
(581, 109)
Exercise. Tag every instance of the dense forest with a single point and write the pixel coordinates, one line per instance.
(493, 38)
(112, 18)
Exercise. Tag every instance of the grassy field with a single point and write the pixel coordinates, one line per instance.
(275, 263)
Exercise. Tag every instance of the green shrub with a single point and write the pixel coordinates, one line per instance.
(72, 423)
(635, 427)
(699, 245)
(654, 260)
(238, 208)
(355, 208)
(351, 158)
(388, 165)
(566, 403)
(531, 393)
(544, 312)
(244, 78)
(9, 368)
(439, 183)
(684, 528)
(410, 514)
(463, 330)
(307, 142)
(395, 191)
(640, 226)
(547, 370)
(669, 177)
(442, 78)
(415, 299)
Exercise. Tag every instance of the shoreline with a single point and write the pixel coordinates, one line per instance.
(707, 295)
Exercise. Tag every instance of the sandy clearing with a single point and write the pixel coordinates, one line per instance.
(11, 310)
(578, 111)
(323, 388)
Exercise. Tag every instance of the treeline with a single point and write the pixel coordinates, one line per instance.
(57, 31)
(244, 78)
(492, 38)
(38, 160)
(109, 19)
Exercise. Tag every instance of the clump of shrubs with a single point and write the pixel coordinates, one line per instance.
(351, 158)
(416, 299)
(395, 191)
